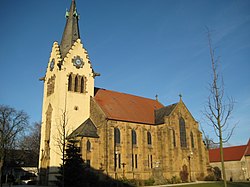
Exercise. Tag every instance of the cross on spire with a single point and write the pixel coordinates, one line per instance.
(156, 97)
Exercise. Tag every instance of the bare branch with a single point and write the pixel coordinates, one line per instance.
(12, 123)
(217, 111)
(229, 134)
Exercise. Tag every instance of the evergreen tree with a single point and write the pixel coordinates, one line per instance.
(73, 169)
(75, 173)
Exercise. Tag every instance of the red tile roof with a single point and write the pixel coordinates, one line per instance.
(234, 153)
(126, 107)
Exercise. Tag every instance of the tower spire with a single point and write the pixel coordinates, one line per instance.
(71, 31)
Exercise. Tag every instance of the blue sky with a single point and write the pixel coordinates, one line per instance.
(141, 47)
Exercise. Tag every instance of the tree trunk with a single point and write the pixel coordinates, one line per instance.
(1, 166)
(222, 161)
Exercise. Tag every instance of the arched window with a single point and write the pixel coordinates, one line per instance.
(70, 83)
(149, 138)
(51, 85)
(134, 141)
(192, 139)
(82, 85)
(88, 146)
(182, 132)
(76, 84)
(117, 136)
(48, 130)
(48, 122)
(174, 141)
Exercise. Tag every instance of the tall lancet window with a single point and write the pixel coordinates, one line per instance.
(174, 141)
(192, 139)
(134, 139)
(48, 122)
(117, 136)
(182, 127)
(70, 83)
(149, 138)
(76, 84)
(48, 130)
(82, 85)
(88, 146)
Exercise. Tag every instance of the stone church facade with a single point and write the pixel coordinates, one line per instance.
(120, 135)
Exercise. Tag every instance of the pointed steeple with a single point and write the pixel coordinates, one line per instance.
(71, 31)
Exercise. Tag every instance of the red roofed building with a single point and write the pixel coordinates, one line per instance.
(120, 135)
(237, 161)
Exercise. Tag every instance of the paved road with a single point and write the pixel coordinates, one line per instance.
(6, 185)
(166, 185)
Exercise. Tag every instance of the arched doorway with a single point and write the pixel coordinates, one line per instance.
(184, 173)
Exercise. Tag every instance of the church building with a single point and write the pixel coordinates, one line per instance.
(120, 135)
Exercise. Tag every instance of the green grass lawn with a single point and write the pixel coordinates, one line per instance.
(219, 184)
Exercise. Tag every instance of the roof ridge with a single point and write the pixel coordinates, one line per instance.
(230, 153)
(229, 147)
(172, 104)
(129, 94)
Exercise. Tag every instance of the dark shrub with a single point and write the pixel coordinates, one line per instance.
(210, 177)
(149, 182)
(217, 173)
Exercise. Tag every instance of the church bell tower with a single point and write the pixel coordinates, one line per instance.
(68, 87)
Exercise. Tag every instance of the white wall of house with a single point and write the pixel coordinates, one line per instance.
(237, 170)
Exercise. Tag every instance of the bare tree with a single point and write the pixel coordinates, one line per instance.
(61, 138)
(12, 123)
(218, 109)
(31, 141)
(209, 142)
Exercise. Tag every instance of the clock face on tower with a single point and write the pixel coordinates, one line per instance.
(78, 62)
(52, 64)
